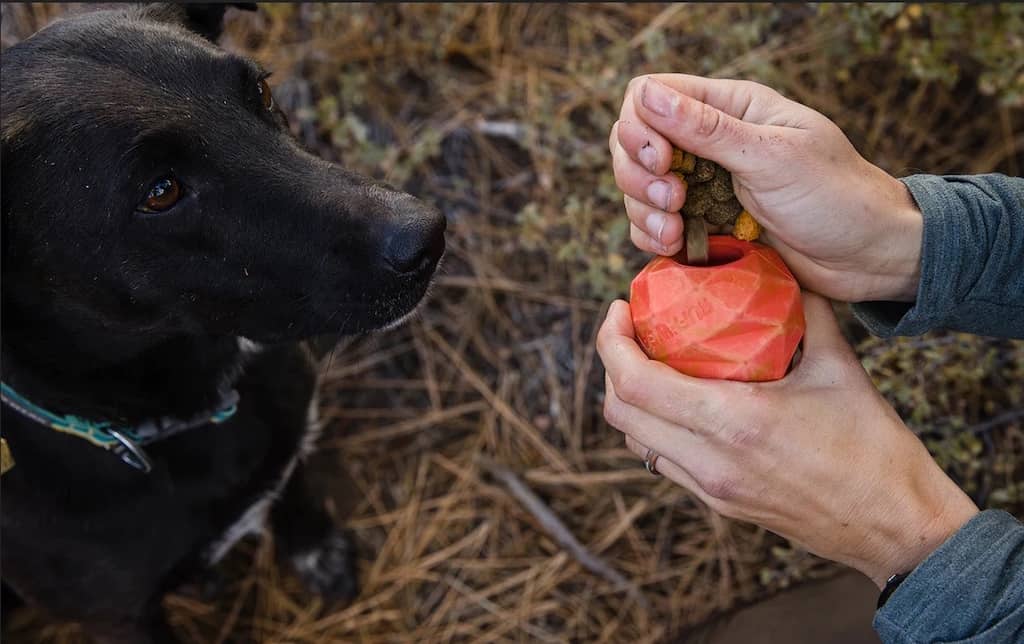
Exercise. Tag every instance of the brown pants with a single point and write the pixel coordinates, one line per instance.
(836, 611)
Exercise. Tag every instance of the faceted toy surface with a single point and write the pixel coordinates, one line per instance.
(739, 318)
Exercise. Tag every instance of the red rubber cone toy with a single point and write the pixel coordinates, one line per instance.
(740, 317)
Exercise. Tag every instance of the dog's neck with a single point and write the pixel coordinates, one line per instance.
(100, 375)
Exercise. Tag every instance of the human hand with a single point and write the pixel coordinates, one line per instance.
(846, 228)
(818, 457)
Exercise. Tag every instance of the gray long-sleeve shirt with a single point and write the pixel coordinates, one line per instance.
(971, 589)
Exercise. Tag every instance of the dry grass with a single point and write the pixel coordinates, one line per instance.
(500, 115)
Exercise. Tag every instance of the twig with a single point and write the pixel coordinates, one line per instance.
(521, 290)
(658, 23)
(501, 129)
(409, 426)
(980, 428)
(558, 530)
(340, 372)
(1002, 419)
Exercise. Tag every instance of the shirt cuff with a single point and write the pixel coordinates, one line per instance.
(940, 258)
(971, 586)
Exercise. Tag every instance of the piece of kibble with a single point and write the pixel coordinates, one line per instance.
(722, 213)
(682, 162)
(720, 185)
(677, 159)
(703, 170)
(746, 227)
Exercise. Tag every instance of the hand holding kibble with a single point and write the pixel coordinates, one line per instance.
(845, 228)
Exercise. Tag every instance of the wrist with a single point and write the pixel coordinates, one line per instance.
(910, 231)
(920, 528)
(899, 270)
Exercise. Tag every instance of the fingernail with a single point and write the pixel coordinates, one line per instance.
(657, 98)
(656, 226)
(648, 156)
(658, 193)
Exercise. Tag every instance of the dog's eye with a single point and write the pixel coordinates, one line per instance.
(165, 193)
(264, 90)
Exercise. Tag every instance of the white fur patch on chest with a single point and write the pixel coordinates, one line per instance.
(254, 520)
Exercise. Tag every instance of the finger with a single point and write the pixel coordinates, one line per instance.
(664, 229)
(745, 100)
(662, 145)
(636, 446)
(645, 146)
(663, 192)
(673, 472)
(822, 334)
(613, 136)
(705, 130)
(689, 450)
(645, 242)
(655, 387)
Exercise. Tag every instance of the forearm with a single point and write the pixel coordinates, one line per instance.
(970, 590)
(972, 260)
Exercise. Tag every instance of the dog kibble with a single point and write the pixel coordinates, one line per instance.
(710, 195)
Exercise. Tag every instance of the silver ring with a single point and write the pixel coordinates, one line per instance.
(651, 462)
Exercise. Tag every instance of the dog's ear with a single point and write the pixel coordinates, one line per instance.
(206, 19)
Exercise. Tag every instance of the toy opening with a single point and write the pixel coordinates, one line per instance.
(722, 250)
(722, 256)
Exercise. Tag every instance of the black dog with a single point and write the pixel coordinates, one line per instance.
(166, 244)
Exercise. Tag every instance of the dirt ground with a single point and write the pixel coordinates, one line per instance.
(499, 114)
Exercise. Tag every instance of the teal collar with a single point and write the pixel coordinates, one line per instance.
(126, 442)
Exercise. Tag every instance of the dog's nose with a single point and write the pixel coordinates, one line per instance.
(418, 246)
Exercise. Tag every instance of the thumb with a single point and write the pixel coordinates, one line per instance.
(703, 129)
(619, 319)
(823, 335)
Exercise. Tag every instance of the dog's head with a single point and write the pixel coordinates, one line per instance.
(150, 184)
